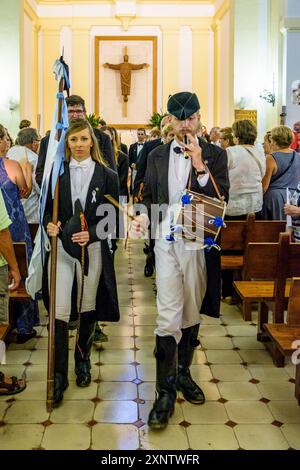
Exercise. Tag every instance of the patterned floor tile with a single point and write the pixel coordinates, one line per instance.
(21, 436)
(211, 437)
(115, 437)
(260, 437)
(249, 404)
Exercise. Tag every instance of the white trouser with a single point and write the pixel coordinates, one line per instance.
(133, 175)
(181, 286)
(66, 267)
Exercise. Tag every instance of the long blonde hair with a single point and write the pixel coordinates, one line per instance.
(114, 141)
(77, 126)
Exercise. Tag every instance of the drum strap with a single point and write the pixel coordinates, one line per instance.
(212, 180)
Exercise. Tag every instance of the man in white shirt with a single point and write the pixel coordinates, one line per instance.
(134, 151)
(188, 280)
(27, 150)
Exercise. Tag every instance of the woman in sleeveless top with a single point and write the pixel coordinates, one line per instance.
(246, 168)
(283, 171)
(15, 182)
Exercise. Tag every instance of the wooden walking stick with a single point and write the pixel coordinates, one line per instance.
(52, 304)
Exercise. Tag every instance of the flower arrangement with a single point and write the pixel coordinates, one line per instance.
(93, 119)
(155, 119)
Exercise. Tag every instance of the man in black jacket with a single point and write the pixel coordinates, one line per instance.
(76, 110)
(141, 162)
(141, 166)
(136, 148)
(188, 278)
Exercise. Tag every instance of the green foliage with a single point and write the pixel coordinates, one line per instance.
(155, 119)
(94, 120)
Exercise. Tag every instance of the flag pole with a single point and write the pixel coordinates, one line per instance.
(52, 300)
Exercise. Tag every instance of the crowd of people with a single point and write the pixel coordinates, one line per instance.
(226, 163)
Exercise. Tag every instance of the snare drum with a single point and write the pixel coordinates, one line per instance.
(200, 218)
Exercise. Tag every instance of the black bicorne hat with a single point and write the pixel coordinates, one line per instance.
(183, 105)
(73, 225)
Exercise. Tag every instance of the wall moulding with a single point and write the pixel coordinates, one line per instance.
(27, 8)
(142, 102)
(125, 20)
(290, 25)
(226, 5)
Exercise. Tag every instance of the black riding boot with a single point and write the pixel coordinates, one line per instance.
(150, 263)
(61, 360)
(83, 348)
(166, 364)
(190, 390)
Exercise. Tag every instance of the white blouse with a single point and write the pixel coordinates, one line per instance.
(81, 174)
(245, 176)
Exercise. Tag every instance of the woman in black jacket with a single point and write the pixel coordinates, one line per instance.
(85, 181)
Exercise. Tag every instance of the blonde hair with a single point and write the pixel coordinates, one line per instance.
(155, 132)
(114, 141)
(227, 135)
(166, 129)
(77, 126)
(282, 136)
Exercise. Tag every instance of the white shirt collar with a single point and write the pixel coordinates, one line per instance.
(83, 164)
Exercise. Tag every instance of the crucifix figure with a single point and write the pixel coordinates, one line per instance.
(125, 69)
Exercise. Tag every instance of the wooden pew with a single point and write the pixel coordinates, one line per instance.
(238, 233)
(233, 241)
(235, 238)
(267, 268)
(285, 336)
(20, 294)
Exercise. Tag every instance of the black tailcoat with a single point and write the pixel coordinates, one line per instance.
(133, 153)
(141, 164)
(156, 192)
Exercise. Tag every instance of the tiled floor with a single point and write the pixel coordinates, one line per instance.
(250, 403)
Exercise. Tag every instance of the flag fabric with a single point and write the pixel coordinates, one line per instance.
(54, 167)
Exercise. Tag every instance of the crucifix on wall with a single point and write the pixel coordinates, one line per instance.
(125, 68)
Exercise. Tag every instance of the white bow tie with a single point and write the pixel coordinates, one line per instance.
(75, 164)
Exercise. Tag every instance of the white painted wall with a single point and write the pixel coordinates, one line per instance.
(251, 74)
(185, 52)
(184, 9)
(224, 77)
(66, 46)
(28, 70)
(10, 60)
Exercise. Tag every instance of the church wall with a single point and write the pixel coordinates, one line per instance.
(214, 55)
(190, 37)
(10, 60)
(223, 67)
(290, 30)
(254, 70)
(29, 70)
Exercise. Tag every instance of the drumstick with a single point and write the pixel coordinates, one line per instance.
(118, 205)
